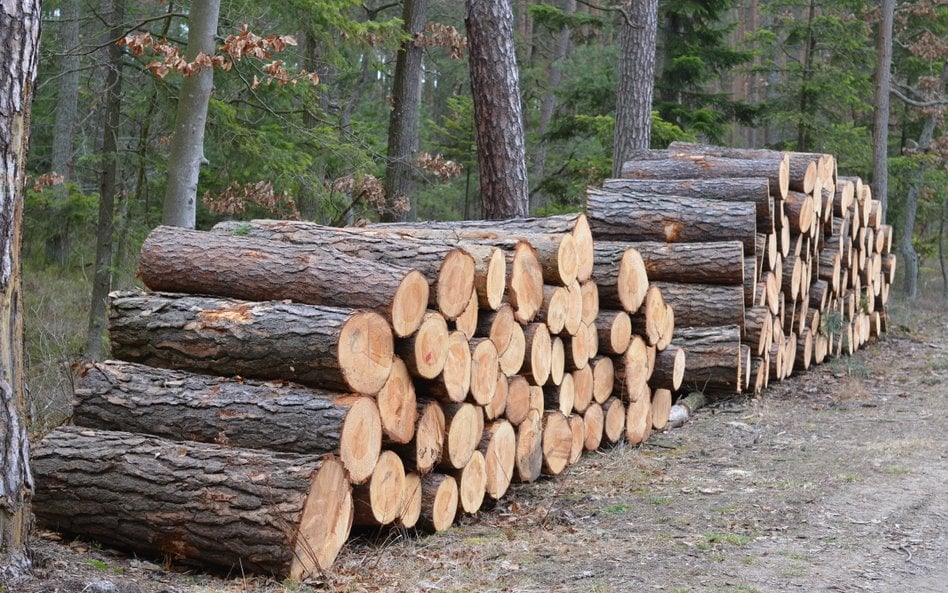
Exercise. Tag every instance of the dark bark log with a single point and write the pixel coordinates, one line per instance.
(236, 509)
(613, 217)
(703, 305)
(181, 260)
(333, 348)
(803, 166)
(714, 355)
(703, 263)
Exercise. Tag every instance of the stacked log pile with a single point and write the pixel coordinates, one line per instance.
(813, 277)
(284, 382)
(287, 382)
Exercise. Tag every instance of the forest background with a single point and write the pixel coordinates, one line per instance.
(298, 122)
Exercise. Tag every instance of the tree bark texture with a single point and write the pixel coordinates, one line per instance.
(403, 121)
(713, 358)
(183, 260)
(615, 217)
(710, 167)
(501, 155)
(720, 262)
(194, 502)
(184, 406)
(638, 32)
(187, 144)
(19, 40)
(328, 347)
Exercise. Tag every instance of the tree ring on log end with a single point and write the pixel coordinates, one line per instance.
(455, 283)
(360, 441)
(366, 351)
(496, 279)
(632, 281)
(325, 523)
(409, 304)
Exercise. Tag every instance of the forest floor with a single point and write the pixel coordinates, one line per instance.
(836, 480)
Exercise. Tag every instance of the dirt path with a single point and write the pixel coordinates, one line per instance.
(834, 481)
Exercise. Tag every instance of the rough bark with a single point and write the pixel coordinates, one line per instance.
(719, 262)
(711, 167)
(19, 39)
(638, 31)
(501, 156)
(528, 462)
(703, 305)
(615, 217)
(187, 144)
(620, 275)
(182, 260)
(328, 347)
(237, 509)
(713, 358)
(439, 502)
(403, 120)
(880, 107)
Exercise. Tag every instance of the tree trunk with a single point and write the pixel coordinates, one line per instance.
(187, 144)
(501, 156)
(64, 127)
(616, 217)
(183, 406)
(19, 40)
(182, 260)
(108, 183)
(638, 30)
(328, 347)
(403, 122)
(237, 509)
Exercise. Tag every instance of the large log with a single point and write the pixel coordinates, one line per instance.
(379, 500)
(557, 442)
(426, 351)
(183, 260)
(615, 331)
(703, 305)
(615, 216)
(184, 406)
(776, 170)
(719, 262)
(329, 347)
(734, 189)
(195, 503)
(713, 358)
(804, 167)
(450, 269)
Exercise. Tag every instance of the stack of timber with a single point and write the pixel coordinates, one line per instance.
(284, 382)
(806, 276)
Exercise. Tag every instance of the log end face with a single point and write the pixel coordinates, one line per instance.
(499, 458)
(409, 304)
(411, 501)
(464, 434)
(366, 351)
(485, 367)
(638, 423)
(360, 441)
(594, 421)
(472, 484)
(633, 281)
(429, 344)
(445, 505)
(455, 283)
(456, 374)
(557, 442)
(567, 260)
(429, 437)
(526, 282)
(387, 487)
(583, 238)
(496, 279)
(397, 405)
(326, 521)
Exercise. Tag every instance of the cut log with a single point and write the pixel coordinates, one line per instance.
(649, 321)
(398, 409)
(184, 406)
(464, 424)
(632, 370)
(661, 407)
(454, 382)
(574, 308)
(576, 349)
(439, 502)
(195, 503)
(557, 442)
(451, 269)
(704, 305)
(529, 459)
(497, 406)
(329, 347)
(499, 447)
(590, 293)
(183, 260)
(525, 287)
(582, 388)
(603, 378)
(734, 189)
(484, 370)
(424, 452)
(713, 358)
(426, 350)
(616, 216)
(638, 421)
(511, 359)
(578, 430)
(539, 346)
(555, 305)
(518, 399)
(704, 263)
(595, 421)
(379, 501)
(804, 168)
(557, 361)
(758, 329)
(614, 426)
(776, 170)
(467, 321)
(472, 483)
(592, 341)
(620, 275)
(668, 328)
(669, 370)
(799, 210)
(560, 397)
(750, 280)
(411, 502)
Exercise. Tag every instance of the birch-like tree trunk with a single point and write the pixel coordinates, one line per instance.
(498, 117)
(403, 123)
(638, 31)
(880, 127)
(19, 41)
(187, 146)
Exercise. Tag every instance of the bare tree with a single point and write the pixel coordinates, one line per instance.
(187, 146)
(19, 41)
(403, 123)
(880, 129)
(498, 118)
(638, 31)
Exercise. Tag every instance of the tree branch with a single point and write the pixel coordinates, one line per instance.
(615, 8)
(915, 102)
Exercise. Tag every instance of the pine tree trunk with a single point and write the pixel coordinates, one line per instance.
(19, 40)
(187, 145)
(501, 156)
(638, 30)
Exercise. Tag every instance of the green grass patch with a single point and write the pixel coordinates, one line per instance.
(731, 539)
